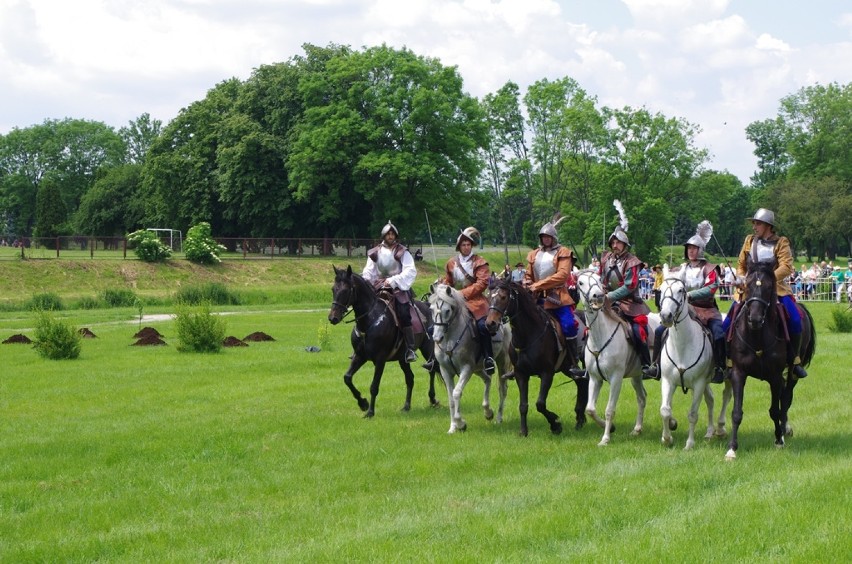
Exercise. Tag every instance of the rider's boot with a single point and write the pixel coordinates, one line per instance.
(488, 350)
(651, 370)
(795, 344)
(430, 364)
(575, 371)
(410, 353)
(720, 358)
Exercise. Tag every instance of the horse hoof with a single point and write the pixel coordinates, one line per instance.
(731, 455)
(522, 433)
(556, 428)
(603, 443)
(667, 442)
(788, 431)
(489, 414)
(580, 424)
(673, 424)
(369, 414)
(406, 407)
(688, 446)
(636, 432)
(435, 404)
(721, 433)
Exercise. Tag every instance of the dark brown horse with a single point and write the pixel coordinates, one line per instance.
(758, 348)
(375, 337)
(535, 341)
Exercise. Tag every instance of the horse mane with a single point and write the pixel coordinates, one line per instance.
(458, 297)
(359, 281)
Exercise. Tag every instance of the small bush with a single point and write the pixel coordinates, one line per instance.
(841, 321)
(45, 302)
(122, 297)
(148, 246)
(89, 302)
(200, 246)
(213, 293)
(56, 339)
(199, 330)
(324, 335)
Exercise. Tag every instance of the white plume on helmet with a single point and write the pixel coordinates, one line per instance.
(620, 232)
(549, 228)
(703, 234)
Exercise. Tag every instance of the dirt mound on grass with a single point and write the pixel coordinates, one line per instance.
(87, 333)
(233, 342)
(17, 339)
(258, 336)
(147, 332)
(148, 340)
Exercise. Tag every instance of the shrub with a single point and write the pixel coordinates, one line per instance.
(199, 330)
(122, 297)
(148, 246)
(56, 339)
(213, 293)
(841, 320)
(200, 246)
(89, 302)
(45, 302)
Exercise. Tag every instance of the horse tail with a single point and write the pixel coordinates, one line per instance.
(808, 354)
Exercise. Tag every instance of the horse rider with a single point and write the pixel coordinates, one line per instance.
(701, 279)
(391, 267)
(765, 245)
(469, 273)
(619, 271)
(549, 269)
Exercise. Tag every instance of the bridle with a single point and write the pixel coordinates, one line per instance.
(512, 297)
(679, 316)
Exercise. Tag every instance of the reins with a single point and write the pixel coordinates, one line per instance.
(680, 316)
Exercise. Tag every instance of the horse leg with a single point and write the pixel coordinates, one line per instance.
(541, 403)
(595, 385)
(776, 386)
(433, 401)
(486, 398)
(409, 385)
(378, 369)
(710, 402)
(666, 392)
(449, 383)
(786, 403)
(738, 384)
(464, 377)
(692, 416)
(727, 393)
(580, 403)
(354, 366)
(614, 391)
(641, 401)
(503, 391)
(523, 381)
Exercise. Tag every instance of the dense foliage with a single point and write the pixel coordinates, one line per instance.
(148, 246)
(334, 142)
(198, 329)
(56, 339)
(200, 246)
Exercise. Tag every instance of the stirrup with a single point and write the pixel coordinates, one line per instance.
(488, 364)
(718, 375)
(799, 371)
(410, 356)
(651, 372)
(429, 364)
(578, 373)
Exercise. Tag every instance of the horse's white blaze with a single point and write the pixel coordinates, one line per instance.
(608, 356)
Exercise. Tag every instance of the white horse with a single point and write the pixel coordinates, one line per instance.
(686, 361)
(457, 348)
(609, 355)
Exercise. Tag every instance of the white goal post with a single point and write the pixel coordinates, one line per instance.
(171, 233)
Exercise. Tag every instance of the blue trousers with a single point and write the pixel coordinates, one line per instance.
(565, 316)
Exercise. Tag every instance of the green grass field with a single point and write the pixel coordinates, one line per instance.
(260, 454)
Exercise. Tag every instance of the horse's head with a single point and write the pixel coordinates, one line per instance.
(760, 296)
(342, 294)
(445, 305)
(592, 293)
(503, 303)
(672, 300)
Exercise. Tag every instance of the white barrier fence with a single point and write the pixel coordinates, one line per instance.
(827, 289)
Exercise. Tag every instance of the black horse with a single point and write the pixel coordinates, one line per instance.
(375, 337)
(535, 341)
(758, 348)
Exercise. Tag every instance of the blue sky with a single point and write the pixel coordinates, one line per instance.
(719, 64)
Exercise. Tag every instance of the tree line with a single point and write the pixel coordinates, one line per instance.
(334, 142)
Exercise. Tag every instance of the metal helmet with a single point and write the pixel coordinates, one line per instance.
(389, 227)
(619, 234)
(470, 234)
(764, 215)
(550, 230)
(695, 241)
